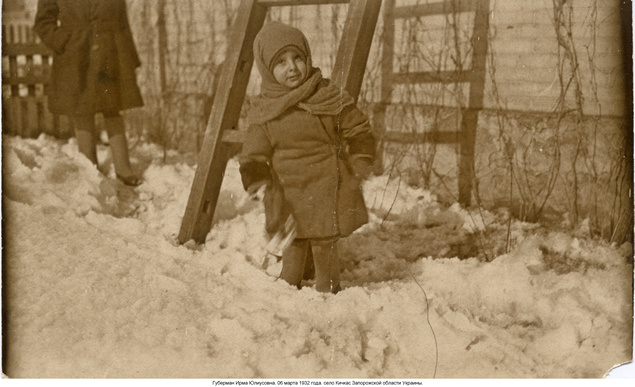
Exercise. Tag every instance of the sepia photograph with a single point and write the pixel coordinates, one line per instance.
(379, 190)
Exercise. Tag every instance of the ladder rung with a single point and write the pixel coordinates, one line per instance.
(280, 3)
(439, 8)
(442, 137)
(432, 77)
(234, 136)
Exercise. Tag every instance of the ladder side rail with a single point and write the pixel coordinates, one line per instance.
(357, 37)
(225, 112)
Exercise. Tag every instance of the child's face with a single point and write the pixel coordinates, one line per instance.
(290, 69)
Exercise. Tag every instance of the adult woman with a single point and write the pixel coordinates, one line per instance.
(93, 71)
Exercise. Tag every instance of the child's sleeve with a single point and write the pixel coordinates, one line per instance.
(356, 131)
(254, 159)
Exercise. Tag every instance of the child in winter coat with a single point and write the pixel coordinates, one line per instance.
(310, 146)
(94, 63)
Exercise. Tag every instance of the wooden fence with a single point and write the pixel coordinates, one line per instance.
(26, 65)
(474, 77)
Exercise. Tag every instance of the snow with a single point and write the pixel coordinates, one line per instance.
(98, 286)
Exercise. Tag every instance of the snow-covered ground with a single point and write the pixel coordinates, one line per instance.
(97, 285)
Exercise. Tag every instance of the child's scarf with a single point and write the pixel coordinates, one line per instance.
(316, 95)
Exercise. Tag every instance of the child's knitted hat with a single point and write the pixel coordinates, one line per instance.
(315, 95)
(273, 39)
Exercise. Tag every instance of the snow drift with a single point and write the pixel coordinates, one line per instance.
(97, 286)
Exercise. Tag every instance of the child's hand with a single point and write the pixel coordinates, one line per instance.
(257, 192)
(362, 165)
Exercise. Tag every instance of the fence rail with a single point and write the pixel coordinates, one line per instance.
(26, 65)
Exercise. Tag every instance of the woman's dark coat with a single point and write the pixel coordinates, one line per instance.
(303, 149)
(94, 57)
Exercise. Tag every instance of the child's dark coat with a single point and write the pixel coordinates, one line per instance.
(324, 196)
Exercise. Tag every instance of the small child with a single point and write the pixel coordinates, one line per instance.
(310, 146)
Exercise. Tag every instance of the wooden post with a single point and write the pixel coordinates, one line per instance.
(225, 113)
(387, 71)
(469, 120)
(162, 45)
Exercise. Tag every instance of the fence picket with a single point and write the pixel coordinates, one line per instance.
(15, 108)
(31, 117)
(27, 115)
(45, 118)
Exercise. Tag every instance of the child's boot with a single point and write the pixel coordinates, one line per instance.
(327, 267)
(309, 268)
(293, 259)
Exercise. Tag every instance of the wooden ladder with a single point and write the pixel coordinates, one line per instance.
(222, 134)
